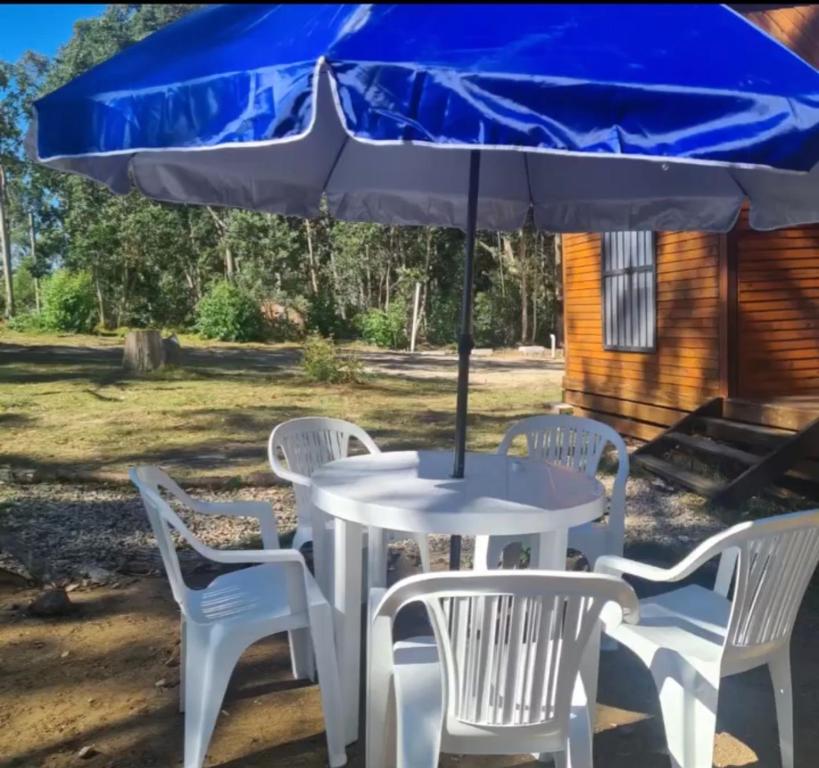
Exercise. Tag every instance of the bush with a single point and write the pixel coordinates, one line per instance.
(26, 322)
(228, 313)
(69, 303)
(496, 319)
(322, 362)
(324, 317)
(442, 320)
(385, 328)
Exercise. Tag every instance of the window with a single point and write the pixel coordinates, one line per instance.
(629, 317)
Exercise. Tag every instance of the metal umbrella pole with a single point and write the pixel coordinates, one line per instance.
(465, 340)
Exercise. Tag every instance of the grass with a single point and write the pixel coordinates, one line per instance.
(72, 409)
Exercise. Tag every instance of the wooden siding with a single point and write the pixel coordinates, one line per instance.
(777, 311)
(765, 346)
(639, 392)
(797, 27)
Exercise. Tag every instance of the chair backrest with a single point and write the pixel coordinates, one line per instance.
(776, 558)
(308, 443)
(511, 641)
(577, 443)
(150, 481)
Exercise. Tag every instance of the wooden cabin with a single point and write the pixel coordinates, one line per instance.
(716, 352)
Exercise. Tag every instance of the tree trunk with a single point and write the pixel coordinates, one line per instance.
(558, 291)
(339, 302)
(311, 260)
(5, 246)
(221, 226)
(534, 311)
(33, 246)
(143, 351)
(524, 290)
(427, 260)
(100, 302)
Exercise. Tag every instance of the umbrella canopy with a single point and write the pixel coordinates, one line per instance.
(596, 118)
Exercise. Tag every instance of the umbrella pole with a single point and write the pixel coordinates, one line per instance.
(465, 341)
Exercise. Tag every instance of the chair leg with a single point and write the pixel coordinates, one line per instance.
(423, 549)
(578, 752)
(321, 629)
(779, 667)
(301, 654)
(688, 699)
(210, 666)
(303, 535)
(182, 660)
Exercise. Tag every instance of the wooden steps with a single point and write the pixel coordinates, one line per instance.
(679, 476)
(751, 453)
(712, 448)
(743, 432)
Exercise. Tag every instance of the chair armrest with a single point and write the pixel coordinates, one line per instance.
(248, 556)
(615, 565)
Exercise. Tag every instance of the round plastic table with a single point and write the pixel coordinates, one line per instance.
(413, 491)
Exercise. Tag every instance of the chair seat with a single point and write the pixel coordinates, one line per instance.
(254, 594)
(691, 621)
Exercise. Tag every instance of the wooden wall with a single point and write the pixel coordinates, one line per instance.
(777, 343)
(640, 392)
(735, 316)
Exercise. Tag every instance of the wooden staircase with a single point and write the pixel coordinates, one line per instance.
(738, 438)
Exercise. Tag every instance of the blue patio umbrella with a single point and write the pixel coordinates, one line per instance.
(586, 117)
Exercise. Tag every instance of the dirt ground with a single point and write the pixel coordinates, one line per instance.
(107, 678)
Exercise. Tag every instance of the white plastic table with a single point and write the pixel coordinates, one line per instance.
(413, 491)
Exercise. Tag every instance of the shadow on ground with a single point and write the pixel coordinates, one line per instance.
(91, 680)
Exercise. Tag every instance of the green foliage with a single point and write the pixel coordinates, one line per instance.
(228, 313)
(24, 293)
(69, 303)
(442, 320)
(495, 319)
(26, 322)
(152, 263)
(385, 328)
(323, 362)
(323, 316)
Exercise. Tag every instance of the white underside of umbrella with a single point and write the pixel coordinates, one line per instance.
(420, 184)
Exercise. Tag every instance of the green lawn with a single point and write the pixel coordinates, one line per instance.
(67, 407)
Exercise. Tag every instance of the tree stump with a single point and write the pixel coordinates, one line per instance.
(143, 351)
(173, 350)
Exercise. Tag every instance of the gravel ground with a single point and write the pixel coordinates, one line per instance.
(64, 532)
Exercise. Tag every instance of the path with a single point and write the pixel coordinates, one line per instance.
(420, 365)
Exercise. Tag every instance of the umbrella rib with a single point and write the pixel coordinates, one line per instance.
(528, 180)
(335, 162)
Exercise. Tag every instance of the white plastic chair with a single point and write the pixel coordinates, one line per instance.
(306, 444)
(508, 671)
(692, 637)
(577, 443)
(236, 609)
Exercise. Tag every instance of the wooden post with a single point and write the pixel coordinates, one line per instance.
(143, 352)
(415, 316)
(5, 246)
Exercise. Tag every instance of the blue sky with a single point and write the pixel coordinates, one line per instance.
(42, 28)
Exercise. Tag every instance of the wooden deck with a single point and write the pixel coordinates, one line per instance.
(793, 412)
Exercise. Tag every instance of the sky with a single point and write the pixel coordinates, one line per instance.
(42, 28)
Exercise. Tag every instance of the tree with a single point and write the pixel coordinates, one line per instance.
(150, 263)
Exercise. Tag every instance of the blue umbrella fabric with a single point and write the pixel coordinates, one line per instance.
(594, 117)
